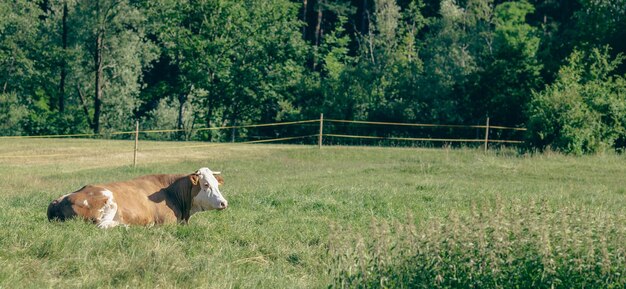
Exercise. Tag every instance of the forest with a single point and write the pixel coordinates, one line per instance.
(554, 67)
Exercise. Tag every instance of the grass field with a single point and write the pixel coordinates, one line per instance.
(300, 217)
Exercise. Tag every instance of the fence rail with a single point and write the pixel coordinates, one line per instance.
(425, 124)
(320, 136)
(160, 130)
(421, 139)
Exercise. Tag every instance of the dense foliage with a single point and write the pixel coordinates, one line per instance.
(79, 66)
(584, 110)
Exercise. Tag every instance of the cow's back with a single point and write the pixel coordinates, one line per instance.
(139, 201)
(142, 200)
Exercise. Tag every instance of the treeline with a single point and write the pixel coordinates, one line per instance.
(71, 66)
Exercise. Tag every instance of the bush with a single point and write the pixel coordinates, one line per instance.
(36, 118)
(519, 245)
(584, 110)
(165, 117)
(40, 122)
(11, 114)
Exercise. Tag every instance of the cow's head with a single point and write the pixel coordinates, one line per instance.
(209, 197)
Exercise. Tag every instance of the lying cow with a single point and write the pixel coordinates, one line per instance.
(147, 200)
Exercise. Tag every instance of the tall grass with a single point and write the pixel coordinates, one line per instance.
(501, 245)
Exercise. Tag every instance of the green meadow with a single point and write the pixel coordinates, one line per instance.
(301, 217)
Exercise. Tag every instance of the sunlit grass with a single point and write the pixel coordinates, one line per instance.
(286, 203)
(497, 245)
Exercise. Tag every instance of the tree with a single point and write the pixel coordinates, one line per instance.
(247, 57)
(456, 48)
(112, 51)
(28, 58)
(507, 79)
(398, 66)
(12, 112)
(63, 75)
(601, 22)
(584, 110)
(377, 82)
(18, 47)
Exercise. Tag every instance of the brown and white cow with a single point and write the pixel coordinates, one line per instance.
(147, 200)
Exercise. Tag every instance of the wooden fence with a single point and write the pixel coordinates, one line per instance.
(321, 122)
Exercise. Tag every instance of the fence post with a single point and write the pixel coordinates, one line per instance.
(136, 143)
(319, 140)
(487, 134)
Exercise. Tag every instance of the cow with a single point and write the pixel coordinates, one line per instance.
(146, 200)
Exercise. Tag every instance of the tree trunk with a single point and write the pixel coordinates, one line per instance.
(233, 123)
(64, 60)
(364, 17)
(318, 26)
(181, 111)
(98, 87)
(84, 104)
(233, 132)
(209, 104)
(98, 75)
(371, 42)
(318, 31)
(304, 11)
(9, 70)
(209, 115)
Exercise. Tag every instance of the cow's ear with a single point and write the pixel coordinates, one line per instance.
(195, 179)
(219, 179)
